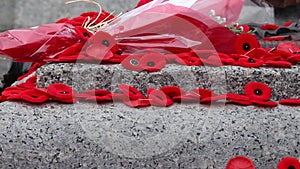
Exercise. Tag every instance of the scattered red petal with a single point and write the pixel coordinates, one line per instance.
(289, 163)
(280, 64)
(160, 99)
(172, 91)
(131, 92)
(153, 62)
(269, 27)
(60, 91)
(240, 162)
(290, 102)
(34, 96)
(258, 91)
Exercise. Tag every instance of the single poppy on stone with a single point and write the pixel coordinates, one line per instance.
(289, 163)
(132, 62)
(245, 43)
(60, 91)
(258, 91)
(153, 62)
(34, 96)
(250, 62)
(240, 162)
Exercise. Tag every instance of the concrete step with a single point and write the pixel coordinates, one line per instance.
(113, 136)
(226, 79)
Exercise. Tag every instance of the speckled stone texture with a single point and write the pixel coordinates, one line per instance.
(226, 79)
(114, 136)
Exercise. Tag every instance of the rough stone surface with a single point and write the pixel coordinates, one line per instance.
(226, 79)
(6, 14)
(114, 136)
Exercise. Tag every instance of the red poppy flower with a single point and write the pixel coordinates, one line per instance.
(288, 48)
(258, 91)
(289, 163)
(60, 91)
(153, 62)
(100, 46)
(264, 103)
(239, 99)
(246, 43)
(12, 93)
(35, 96)
(187, 98)
(226, 59)
(2, 98)
(275, 38)
(190, 61)
(213, 60)
(104, 98)
(249, 62)
(117, 58)
(269, 27)
(171, 58)
(240, 162)
(160, 99)
(294, 58)
(208, 100)
(68, 101)
(131, 92)
(241, 102)
(83, 33)
(290, 102)
(281, 64)
(238, 56)
(132, 62)
(137, 103)
(172, 91)
(29, 84)
(258, 53)
(89, 93)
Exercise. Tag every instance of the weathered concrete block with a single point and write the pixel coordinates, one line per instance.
(226, 79)
(113, 136)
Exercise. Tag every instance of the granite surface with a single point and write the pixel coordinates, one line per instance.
(226, 79)
(114, 136)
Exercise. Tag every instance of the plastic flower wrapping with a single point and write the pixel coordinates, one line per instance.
(169, 25)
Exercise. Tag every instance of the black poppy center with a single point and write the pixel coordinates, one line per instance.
(251, 60)
(105, 43)
(64, 92)
(86, 34)
(246, 46)
(150, 64)
(291, 167)
(258, 92)
(134, 62)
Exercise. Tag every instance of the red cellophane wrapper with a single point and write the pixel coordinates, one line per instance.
(177, 25)
(35, 44)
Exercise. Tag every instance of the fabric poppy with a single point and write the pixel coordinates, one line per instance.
(2, 98)
(212, 60)
(13, 93)
(294, 58)
(258, 91)
(132, 62)
(34, 96)
(104, 98)
(288, 48)
(280, 64)
(29, 83)
(89, 93)
(131, 92)
(68, 100)
(100, 46)
(190, 61)
(250, 62)
(264, 103)
(60, 91)
(160, 99)
(289, 163)
(153, 62)
(137, 103)
(172, 91)
(240, 162)
(83, 33)
(245, 43)
(275, 38)
(290, 102)
(269, 27)
(258, 53)
(171, 58)
(208, 100)
(238, 99)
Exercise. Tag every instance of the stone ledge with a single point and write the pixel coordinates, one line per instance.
(114, 136)
(284, 82)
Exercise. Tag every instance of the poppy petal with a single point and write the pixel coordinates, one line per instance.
(187, 98)
(153, 62)
(280, 64)
(269, 27)
(34, 96)
(103, 98)
(160, 99)
(258, 91)
(60, 91)
(207, 100)
(246, 43)
(172, 91)
(137, 103)
(290, 102)
(131, 92)
(289, 163)
(240, 162)
(249, 62)
(132, 62)
(265, 103)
